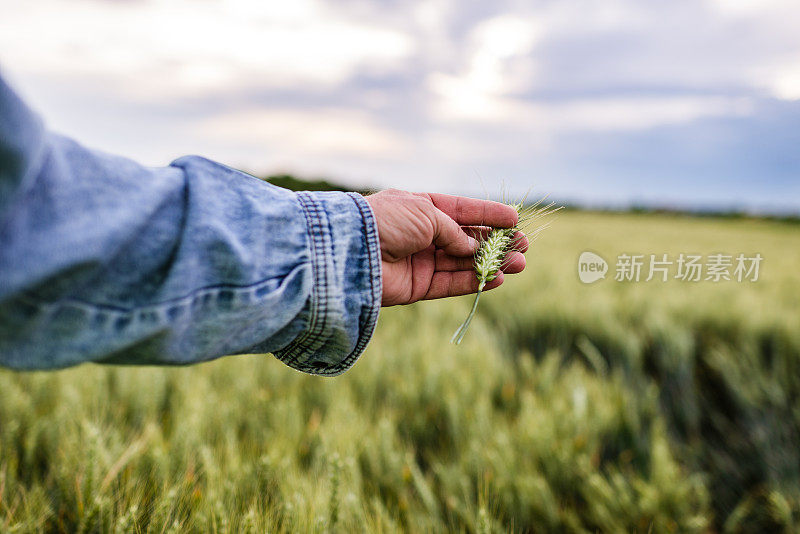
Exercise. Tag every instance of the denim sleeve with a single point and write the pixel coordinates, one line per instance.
(104, 260)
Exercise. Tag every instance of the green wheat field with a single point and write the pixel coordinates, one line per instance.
(612, 407)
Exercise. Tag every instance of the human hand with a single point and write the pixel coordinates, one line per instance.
(428, 240)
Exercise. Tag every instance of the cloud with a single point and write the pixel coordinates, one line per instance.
(498, 65)
(785, 82)
(639, 97)
(296, 134)
(746, 161)
(165, 49)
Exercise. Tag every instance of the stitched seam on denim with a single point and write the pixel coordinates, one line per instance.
(373, 251)
(318, 335)
(291, 352)
(315, 335)
(368, 325)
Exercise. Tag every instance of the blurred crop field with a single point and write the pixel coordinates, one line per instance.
(611, 407)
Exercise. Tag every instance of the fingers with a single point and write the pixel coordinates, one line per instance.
(445, 284)
(463, 282)
(514, 263)
(472, 211)
(455, 275)
(450, 237)
(459, 241)
(446, 262)
(519, 242)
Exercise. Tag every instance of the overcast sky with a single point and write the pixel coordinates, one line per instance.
(680, 102)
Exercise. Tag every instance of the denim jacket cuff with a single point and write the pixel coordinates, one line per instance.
(346, 293)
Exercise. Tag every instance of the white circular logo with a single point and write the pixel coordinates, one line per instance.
(591, 267)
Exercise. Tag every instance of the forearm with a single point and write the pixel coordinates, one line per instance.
(105, 260)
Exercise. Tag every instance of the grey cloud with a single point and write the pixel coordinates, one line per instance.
(675, 49)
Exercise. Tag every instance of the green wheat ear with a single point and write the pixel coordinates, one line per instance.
(492, 251)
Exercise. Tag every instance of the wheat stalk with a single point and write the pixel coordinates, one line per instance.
(493, 250)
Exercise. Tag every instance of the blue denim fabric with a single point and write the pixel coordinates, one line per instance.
(104, 260)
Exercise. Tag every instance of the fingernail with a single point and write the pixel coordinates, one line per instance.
(473, 243)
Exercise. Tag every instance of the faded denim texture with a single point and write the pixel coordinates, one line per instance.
(104, 260)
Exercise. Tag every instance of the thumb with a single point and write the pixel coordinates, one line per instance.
(450, 237)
